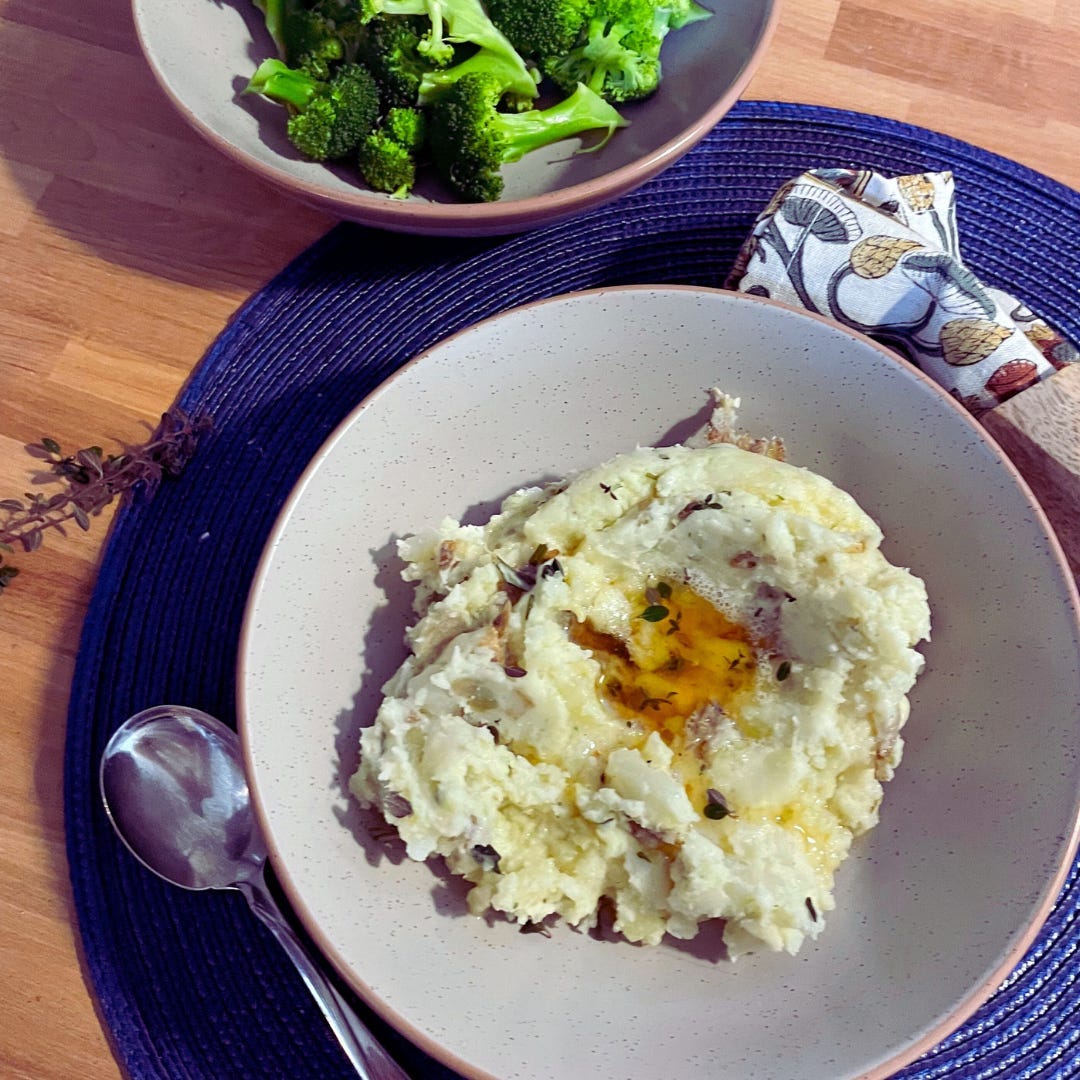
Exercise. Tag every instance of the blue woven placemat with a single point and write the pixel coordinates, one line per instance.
(189, 985)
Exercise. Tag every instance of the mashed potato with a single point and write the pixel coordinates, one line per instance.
(672, 687)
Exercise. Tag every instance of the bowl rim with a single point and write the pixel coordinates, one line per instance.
(977, 994)
(463, 218)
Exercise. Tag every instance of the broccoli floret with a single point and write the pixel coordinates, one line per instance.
(312, 36)
(390, 51)
(680, 13)
(515, 94)
(433, 44)
(617, 53)
(386, 165)
(459, 22)
(407, 127)
(538, 28)
(328, 118)
(312, 42)
(388, 156)
(471, 140)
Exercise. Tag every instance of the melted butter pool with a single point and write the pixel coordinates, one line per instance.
(682, 655)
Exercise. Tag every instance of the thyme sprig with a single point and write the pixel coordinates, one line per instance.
(89, 480)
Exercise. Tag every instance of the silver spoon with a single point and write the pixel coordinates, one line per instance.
(175, 791)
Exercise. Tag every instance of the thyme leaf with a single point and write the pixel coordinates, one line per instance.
(710, 502)
(716, 806)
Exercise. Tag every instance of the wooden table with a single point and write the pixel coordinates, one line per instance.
(125, 245)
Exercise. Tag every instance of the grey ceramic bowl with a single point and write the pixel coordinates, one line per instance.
(978, 829)
(706, 66)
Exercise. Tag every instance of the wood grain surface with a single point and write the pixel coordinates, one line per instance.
(126, 243)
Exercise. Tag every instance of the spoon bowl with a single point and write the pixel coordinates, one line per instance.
(177, 796)
(173, 784)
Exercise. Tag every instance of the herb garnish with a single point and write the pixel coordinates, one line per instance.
(656, 702)
(654, 594)
(534, 928)
(90, 480)
(542, 554)
(486, 856)
(523, 579)
(716, 806)
(708, 503)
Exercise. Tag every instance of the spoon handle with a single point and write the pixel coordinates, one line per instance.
(367, 1055)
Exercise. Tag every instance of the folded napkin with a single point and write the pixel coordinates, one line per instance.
(882, 256)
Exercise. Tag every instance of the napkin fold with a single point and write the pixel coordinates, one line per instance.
(882, 255)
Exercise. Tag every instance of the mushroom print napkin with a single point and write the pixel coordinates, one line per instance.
(881, 255)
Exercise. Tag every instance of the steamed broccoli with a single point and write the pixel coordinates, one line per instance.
(310, 35)
(617, 50)
(386, 165)
(433, 35)
(432, 44)
(328, 118)
(390, 51)
(617, 54)
(407, 127)
(452, 23)
(516, 94)
(312, 42)
(680, 13)
(388, 156)
(361, 79)
(471, 140)
(539, 28)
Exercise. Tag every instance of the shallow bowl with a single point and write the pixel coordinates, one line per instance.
(203, 54)
(977, 830)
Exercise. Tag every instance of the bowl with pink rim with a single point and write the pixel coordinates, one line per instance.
(203, 54)
(978, 828)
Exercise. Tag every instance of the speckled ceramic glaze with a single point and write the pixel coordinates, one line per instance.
(978, 828)
(203, 54)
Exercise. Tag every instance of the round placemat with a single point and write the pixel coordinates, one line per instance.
(189, 984)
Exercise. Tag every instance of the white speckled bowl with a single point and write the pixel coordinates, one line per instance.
(934, 907)
(203, 53)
